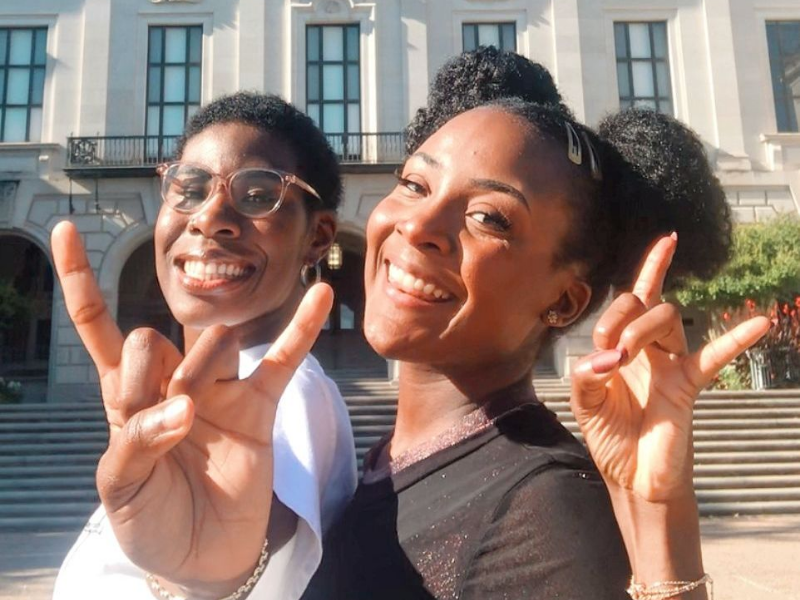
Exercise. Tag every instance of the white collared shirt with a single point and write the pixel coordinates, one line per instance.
(314, 476)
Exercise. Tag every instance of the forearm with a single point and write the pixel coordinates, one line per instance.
(662, 538)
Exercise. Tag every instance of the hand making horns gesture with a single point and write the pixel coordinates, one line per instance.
(187, 477)
(634, 397)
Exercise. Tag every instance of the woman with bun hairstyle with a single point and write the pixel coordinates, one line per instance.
(248, 213)
(509, 223)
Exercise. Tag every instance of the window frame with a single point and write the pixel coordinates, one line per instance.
(787, 99)
(187, 65)
(653, 60)
(32, 67)
(345, 63)
(498, 24)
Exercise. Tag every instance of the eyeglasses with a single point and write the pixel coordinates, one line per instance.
(255, 193)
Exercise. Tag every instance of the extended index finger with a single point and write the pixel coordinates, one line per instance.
(83, 298)
(649, 284)
(291, 347)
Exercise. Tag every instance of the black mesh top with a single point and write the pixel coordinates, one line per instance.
(515, 511)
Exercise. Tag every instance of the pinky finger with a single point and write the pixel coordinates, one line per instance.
(704, 364)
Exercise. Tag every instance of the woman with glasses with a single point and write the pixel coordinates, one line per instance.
(249, 212)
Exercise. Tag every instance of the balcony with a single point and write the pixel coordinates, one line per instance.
(138, 155)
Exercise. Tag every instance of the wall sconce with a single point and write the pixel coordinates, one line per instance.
(335, 257)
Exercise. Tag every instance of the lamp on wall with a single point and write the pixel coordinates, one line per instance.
(335, 257)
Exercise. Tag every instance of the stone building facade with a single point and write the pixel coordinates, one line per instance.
(94, 91)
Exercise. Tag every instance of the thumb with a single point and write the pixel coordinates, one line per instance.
(589, 379)
(134, 451)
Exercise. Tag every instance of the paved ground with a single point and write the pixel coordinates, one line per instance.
(749, 558)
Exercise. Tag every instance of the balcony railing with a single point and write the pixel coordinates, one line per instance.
(119, 151)
(368, 148)
(131, 153)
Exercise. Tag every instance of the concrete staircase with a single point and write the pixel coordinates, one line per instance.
(747, 450)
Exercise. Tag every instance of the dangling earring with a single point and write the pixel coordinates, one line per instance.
(304, 270)
(552, 317)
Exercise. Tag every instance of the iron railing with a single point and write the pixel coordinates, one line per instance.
(368, 148)
(119, 151)
(123, 151)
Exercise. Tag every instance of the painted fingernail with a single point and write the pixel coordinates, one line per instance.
(606, 361)
(175, 413)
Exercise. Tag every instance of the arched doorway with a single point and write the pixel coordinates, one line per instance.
(141, 303)
(341, 344)
(26, 308)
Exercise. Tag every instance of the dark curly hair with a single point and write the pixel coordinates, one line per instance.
(671, 187)
(474, 78)
(317, 163)
(652, 178)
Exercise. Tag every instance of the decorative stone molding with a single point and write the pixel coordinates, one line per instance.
(755, 204)
(783, 151)
(8, 191)
(338, 9)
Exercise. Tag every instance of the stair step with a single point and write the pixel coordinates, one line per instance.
(755, 494)
(734, 484)
(33, 498)
(89, 458)
(750, 508)
(83, 481)
(45, 523)
(61, 509)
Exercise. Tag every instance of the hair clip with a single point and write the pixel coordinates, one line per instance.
(573, 144)
(594, 161)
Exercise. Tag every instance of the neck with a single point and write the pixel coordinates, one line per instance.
(432, 400)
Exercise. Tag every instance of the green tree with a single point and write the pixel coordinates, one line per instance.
(763, 277)
(764, 268)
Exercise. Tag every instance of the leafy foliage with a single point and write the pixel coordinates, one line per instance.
(765, 267)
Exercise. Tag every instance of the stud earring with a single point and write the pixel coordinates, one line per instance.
(552, 317)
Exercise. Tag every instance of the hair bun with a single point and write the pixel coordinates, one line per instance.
(477, 77)
(672, 189)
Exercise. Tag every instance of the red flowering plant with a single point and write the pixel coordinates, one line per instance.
(762, 278)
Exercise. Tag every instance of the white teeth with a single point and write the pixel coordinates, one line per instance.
(207, 271)
(407, 282)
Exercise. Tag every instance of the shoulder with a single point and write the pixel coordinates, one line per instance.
(553, 530)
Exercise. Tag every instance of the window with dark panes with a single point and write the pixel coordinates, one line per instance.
(174, 63)
(499, 35)
(643, 74)
(333, 84)
(23, 59)
(783, 39)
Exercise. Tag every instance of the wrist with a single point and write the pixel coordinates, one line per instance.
(234, 589)
(662, 538)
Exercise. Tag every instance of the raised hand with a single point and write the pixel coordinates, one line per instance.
(187, 478)
(633, 398)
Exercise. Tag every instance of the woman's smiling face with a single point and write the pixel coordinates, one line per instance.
(461, 254)
(217, 266)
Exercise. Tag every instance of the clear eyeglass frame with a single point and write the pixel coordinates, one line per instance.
(287, 179)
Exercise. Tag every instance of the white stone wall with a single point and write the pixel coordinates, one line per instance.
(95, 84)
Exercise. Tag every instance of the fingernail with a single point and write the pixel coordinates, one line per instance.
(623, 355)
(606, 361)
(175, 413)
(674, 235)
